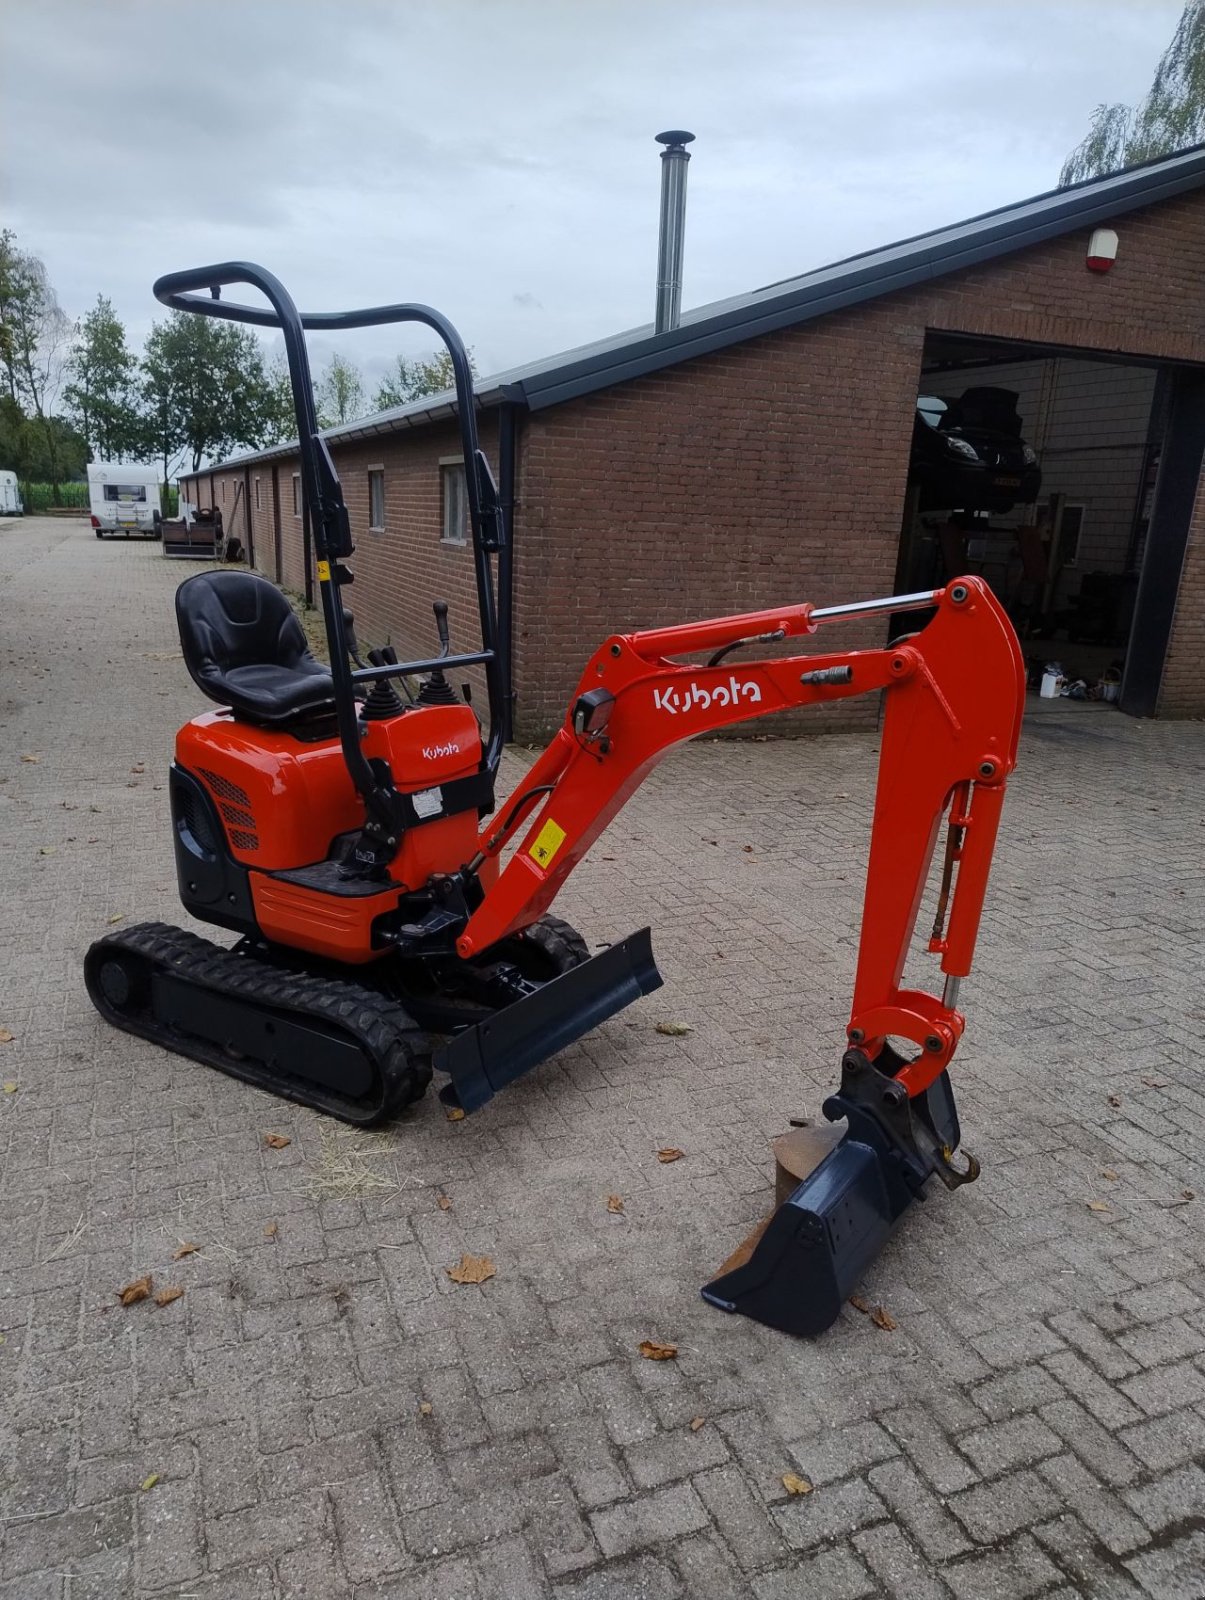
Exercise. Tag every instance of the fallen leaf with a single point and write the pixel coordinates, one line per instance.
(1188, 1194)
(614, 1203)
(794, 1484)
(882, 1318)
(1107, 1172)
(747, 848)
(166, 1296)
(675, 1030)
(6, 1037)
(1155, 1083)
(651, 1350)
(444, 1202)
(1114, 1100)
(1098, 1205)
(471, 1269)
(10, 1087)
(696, 1423)
(149, 1483)
(670, 1154)
(185, 1249)
(270, 1231)
(455, 1114)
(859, 1304)
(31, 759)
(425, 1408)
(138, 1290)
(117, 915)
(276, 1141)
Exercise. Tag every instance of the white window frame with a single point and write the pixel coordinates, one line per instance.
(451, 470)
(375, 525)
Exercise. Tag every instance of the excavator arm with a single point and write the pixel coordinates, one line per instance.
(953, 697)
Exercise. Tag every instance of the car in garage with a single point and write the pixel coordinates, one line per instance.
(968, 453)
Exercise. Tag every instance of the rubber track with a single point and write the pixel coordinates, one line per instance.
(559, 941)
(396, 1049)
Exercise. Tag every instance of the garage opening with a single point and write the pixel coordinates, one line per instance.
(1038, 469)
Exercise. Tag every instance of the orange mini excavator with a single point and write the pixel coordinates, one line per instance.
(335, 825)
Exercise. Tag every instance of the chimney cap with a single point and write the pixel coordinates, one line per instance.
(674, 136)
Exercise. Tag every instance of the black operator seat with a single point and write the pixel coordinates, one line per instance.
(246, 649)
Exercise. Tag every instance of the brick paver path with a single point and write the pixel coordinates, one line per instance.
(325, 1413)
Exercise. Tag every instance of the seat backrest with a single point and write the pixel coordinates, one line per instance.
(236, 619)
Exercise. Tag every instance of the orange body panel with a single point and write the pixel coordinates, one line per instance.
(284, 802)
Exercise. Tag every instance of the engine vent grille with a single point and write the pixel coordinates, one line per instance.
(244, 841)
(225, 790)
(236, 816)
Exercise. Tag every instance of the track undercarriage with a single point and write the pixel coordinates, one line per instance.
(356, 1044)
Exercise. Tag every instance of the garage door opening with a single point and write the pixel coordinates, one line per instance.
(1037, 469)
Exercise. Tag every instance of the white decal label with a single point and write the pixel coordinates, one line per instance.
(428, 802)
(737, 690)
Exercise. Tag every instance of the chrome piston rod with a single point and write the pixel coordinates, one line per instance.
(875, 608)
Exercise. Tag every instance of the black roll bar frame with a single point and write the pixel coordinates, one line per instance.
(198, 290)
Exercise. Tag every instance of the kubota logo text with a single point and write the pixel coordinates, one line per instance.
(432, 752)
(732, 693)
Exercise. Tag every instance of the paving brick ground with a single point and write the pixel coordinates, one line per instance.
(328, 1414)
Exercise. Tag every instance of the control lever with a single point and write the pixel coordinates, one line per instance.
(440, 608)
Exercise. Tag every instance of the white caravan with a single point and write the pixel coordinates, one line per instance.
(10, 496)
(123, 500)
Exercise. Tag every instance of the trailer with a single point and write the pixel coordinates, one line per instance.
(124, 499)
(11, 504)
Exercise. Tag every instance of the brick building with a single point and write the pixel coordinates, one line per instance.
(759, 452)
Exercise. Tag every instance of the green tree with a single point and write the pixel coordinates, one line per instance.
(101, 399)
(412, 380)
(282, 414)
(1171, 117)
(34, 335)
(204, 390)
(339, 393)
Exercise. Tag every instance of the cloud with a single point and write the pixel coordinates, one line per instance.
(449, 153)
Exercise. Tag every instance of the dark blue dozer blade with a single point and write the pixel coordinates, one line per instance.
(816, 1246)
(485, 1058)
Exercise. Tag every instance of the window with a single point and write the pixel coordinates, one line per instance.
(455, 502)
(126, 491)
(297, 494)
(1071, 526)
(376, 499)
(257, 494)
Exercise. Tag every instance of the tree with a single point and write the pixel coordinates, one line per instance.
(1171, 117)
(411, 380)
(204, 389)
(102, 398)
(281, 421)
(340, 393)
(33, 345)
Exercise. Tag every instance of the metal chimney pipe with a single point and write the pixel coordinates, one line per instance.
(674, 159)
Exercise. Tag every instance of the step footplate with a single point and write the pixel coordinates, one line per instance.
(485, 1058)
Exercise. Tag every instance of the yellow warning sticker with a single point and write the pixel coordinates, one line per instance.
(548, 841)
(324, 572)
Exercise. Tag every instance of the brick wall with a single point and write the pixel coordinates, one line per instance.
(772, 471)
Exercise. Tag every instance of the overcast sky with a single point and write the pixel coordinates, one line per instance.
(496, 158)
